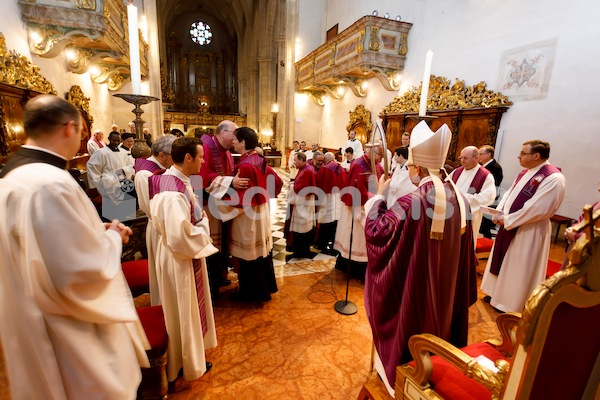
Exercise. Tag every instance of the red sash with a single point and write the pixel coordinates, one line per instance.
(478, 179)
(505, 237)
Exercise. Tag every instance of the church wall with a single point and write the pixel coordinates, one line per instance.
(468, 40)
(103, 107)
(13, 29)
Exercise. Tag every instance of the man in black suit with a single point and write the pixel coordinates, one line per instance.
(486, 158)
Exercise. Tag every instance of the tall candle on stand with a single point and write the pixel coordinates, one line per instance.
(425, 85)
(134, 50)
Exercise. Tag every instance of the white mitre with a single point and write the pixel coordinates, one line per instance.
(429, 150)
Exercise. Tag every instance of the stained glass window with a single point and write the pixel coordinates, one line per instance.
(201, 33)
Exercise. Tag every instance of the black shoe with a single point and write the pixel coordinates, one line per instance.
(487, 299)
(289, 257)
(208, 366)
(225, 282)
(330, 251)
(498, 310)
(239, 297)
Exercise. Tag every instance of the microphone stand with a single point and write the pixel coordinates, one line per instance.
(346, 307)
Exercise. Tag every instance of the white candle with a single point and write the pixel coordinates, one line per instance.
(425, 85)
(134, 50)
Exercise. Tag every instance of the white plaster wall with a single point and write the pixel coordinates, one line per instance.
(103, 107)
(468, 39)
(12, 27)
(310, 26)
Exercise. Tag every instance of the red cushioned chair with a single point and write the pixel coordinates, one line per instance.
(553, 267)
(551, 352)
(154, 383)
(136, 274)
(483, 247)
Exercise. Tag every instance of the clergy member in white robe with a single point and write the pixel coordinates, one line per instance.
(69, 327)
(519, 257)
(251, 237)
(95, 143)
(183, 284)
(291, 166)
(108, 167)
(476, 183)
(144, 169)
(400, 184)
(354, 143)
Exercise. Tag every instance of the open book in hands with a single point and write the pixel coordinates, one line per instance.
(490, 212)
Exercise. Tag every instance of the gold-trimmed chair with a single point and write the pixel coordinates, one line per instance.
(551, 352)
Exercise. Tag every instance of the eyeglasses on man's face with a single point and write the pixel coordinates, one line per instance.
(522, 153)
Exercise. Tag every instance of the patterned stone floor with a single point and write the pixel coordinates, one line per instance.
(297, 346)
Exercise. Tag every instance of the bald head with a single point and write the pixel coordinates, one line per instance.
(329, 156)
(46, 113)
(224, 133)
(469, 157)
(54, 124)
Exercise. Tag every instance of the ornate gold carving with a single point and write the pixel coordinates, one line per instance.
(359, 44)
(76, 96)
(422, 345)
(115, 82)
(317, 96)
(357, 53)
(86, 4)
(332, 59)
(17, 70)
(374, 42)
(403, 49)
(444, 96)
(580, 269)
(360, 115)
(168, 96)
(4, 147)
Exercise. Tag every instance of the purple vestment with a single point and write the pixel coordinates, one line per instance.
(415, 284)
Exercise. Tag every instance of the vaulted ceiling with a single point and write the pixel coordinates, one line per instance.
(229, 16)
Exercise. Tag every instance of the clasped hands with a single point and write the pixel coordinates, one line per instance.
(123, 230)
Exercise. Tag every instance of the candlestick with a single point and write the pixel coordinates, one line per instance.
(425, 84)
(134, 50)
(140, 147)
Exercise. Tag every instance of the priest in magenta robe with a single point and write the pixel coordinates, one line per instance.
(330, 178)
(217, 179)
(301, 199)
(350, 233)
(251, 237)
(421, 270)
